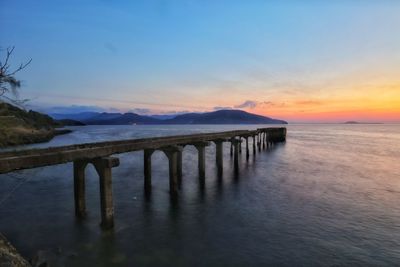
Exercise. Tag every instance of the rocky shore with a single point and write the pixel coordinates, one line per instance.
(9, 256)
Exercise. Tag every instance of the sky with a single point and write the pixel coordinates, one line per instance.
(302, 61)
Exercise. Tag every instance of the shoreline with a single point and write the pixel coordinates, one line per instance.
(9, 255)
(10, 137)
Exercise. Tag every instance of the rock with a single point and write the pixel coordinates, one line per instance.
(9, 256)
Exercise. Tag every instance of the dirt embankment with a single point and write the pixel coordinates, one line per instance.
(18, 126)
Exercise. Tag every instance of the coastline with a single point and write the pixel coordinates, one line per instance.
(23, 136)
(9, 255)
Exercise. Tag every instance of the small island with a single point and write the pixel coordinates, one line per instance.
(357, 122)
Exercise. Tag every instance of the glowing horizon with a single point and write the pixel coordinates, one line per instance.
(302, 61)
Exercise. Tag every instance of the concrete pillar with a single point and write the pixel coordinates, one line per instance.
(173, 173)
(201, 148)
(263, 139)
(202, 160)
(147, 169)
(172, 154)
(259, 142)
(236, 144)
(179, 166)
(103, 167)
(231, 149)
(247, 148)
(79, 188)
(219, 155)
(254, 144)
(240, 145)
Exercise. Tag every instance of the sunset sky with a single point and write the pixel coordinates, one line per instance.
(303, 61)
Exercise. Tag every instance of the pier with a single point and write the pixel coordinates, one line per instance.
(102, 156)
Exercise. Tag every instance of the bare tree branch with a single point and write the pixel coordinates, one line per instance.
(8, 83)
(21, 67)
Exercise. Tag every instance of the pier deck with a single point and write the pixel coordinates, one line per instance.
(101, 156)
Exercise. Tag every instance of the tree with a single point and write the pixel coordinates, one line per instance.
(8, 83)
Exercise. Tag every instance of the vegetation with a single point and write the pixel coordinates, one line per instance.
(18, 126)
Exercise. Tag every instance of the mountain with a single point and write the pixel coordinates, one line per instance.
(121, 119)
(74, 116)
(69, 122)
(223, 117)
(104, 116)
(163, 116)
(215, 117)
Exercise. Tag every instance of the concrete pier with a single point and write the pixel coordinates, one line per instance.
(99, 154)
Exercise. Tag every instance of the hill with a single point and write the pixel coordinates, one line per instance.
(215, 117)
(76, 116)
(223, 117)
(120, 119)
(18, 126)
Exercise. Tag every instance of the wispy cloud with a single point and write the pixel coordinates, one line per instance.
(252, 104)
(309, 102)
(247, 104)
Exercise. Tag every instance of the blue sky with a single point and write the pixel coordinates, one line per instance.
(167, 56)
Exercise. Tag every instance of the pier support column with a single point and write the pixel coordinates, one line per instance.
(236, 143)
(201, 148)
(247, 148)
(79, 188)
(240, 145)
(266, 139)
(254, 145)
(172, 154)
(173, 173)
(231, 149)
(219, 155)
(103, 167)
(147, 169)
(259, 142)
(263, 139)
(179, 166)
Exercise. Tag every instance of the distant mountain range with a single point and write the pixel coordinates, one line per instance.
(215, 117)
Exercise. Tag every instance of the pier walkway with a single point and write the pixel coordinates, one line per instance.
(101, 156)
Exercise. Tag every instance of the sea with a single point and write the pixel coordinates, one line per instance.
(328, 196)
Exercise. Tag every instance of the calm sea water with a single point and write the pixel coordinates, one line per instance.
(329, 196)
